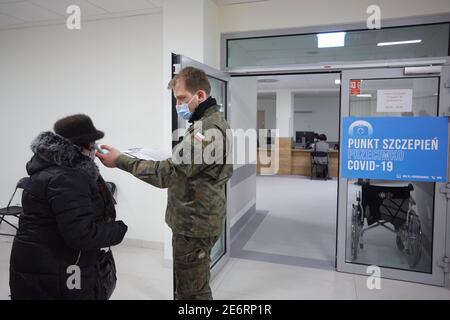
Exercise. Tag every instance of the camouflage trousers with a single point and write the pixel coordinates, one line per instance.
(192, 258)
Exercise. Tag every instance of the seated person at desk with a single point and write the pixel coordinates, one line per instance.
(316, 138)
(321, 146)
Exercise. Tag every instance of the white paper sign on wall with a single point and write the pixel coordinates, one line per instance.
(395, 100)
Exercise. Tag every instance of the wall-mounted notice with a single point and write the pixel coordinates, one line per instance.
(398, 100)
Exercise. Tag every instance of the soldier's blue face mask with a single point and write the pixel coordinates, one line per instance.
(183, 110)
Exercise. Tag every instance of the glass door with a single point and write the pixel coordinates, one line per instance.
(396, 224)
(219, 90)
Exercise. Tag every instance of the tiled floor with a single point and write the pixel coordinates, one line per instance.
(301, 219)
(141, 275)
(299, 272)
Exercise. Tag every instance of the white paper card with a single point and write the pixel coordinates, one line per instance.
(147, 154)
(398, 100)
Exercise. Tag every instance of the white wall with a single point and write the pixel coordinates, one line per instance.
(285, 112)
(275, 14)
(270, 108)
(324, 117)
(243, 116)
(243, 109)
(187, 30)
(244, 197)
(211, 34)
(112, 71)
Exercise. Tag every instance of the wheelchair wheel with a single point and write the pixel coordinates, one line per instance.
(356, 230)
(414, 240)
(401, 234)
(399, 242)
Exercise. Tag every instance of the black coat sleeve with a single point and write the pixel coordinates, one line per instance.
(69, 195)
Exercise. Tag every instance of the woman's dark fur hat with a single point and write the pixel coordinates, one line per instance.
(78, 129)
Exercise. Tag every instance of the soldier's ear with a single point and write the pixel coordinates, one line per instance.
(202, 96)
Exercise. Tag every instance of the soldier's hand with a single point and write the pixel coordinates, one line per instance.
(109, 159)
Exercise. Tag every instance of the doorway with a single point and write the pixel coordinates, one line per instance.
(432, 266)
(296, 211)
(402, 234)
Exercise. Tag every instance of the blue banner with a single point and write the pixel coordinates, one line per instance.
(395, 148)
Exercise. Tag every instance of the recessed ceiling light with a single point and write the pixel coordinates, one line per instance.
(337, 81)
(364, 95)
(394, 43)
(331, 40)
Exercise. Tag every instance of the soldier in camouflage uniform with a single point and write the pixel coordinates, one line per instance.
(196, 177)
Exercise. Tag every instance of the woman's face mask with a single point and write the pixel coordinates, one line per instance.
(90, 152)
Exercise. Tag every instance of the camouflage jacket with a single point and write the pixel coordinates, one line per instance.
(195, 176)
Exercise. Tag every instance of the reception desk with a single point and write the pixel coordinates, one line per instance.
(301, 162)
(295, 161)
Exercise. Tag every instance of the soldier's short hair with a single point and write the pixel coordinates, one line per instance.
(194, 80)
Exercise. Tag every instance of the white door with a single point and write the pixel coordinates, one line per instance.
(220, 91)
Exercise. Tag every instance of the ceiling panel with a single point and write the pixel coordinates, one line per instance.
(60, 6)
(115, 6)
(8, 20)
(28, 11)
(157, 3)
(230, 2)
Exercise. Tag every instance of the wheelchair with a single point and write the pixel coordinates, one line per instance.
(390, 207)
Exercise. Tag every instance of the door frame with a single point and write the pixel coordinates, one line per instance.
(395, 66)
(295, 72)
(437, 276)
(444, 110)
(179, 62)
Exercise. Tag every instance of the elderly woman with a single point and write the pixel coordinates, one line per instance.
(68, 216)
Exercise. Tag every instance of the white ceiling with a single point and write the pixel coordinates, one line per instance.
(27, 13)
(230, 2)
(305, 85)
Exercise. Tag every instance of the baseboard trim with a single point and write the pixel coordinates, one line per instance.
(243, 220)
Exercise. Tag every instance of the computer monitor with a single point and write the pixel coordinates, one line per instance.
(304, 138)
